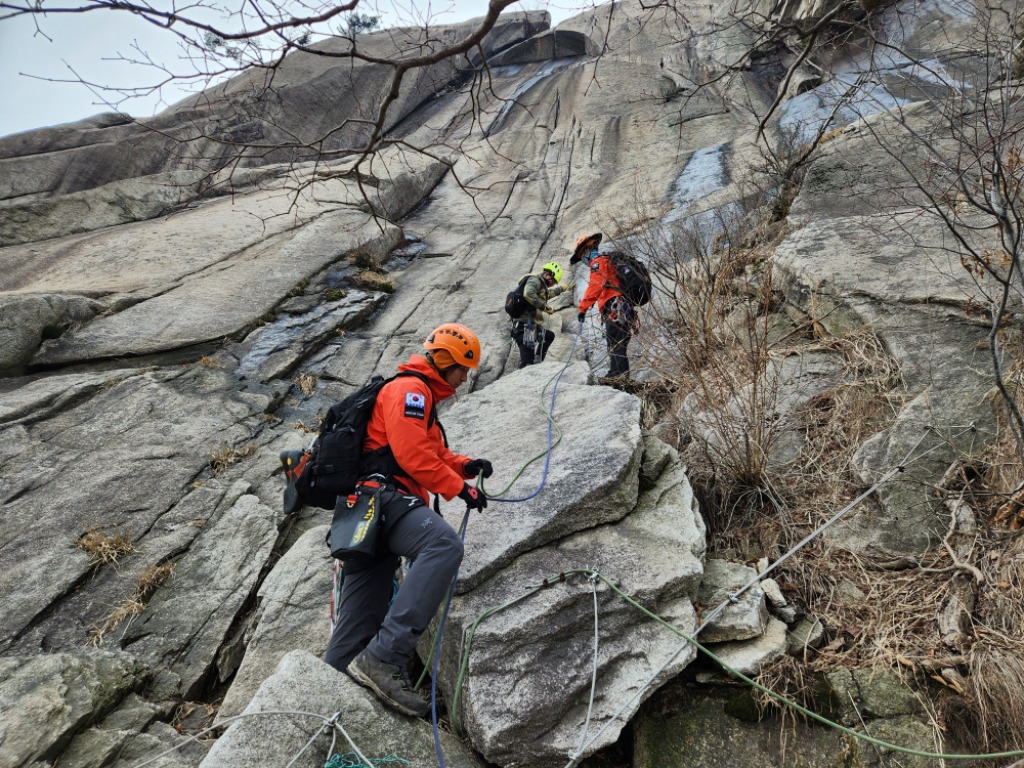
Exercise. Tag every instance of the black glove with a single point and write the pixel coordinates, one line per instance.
(473, 497)
(478, 467)
(581, 316)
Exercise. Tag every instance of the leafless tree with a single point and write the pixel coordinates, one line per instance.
(964, 162)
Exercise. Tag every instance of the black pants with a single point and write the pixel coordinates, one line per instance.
(618, 336)
(526, 351)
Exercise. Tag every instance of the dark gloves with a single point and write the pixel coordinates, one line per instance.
(473, 497)
(581, 316)
(478, 467)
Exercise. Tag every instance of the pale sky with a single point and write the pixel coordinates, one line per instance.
(90, 43)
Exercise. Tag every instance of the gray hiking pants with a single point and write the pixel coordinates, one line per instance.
(364, 619)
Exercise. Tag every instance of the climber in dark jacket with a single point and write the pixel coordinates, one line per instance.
(538, 290)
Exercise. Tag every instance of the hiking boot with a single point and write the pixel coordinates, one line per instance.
(389, 682)
(293, 462)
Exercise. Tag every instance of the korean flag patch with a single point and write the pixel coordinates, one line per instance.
(415, 404)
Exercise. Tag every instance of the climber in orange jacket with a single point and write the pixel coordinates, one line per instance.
(406, 456)
(618, 315)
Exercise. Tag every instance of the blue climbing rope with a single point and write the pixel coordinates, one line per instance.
(551, 422)
(436, 661)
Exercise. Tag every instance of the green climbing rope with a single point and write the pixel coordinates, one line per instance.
(554, 424)
(351, 760)
(562, 577)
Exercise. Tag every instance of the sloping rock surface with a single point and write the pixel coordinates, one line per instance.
(170, 323)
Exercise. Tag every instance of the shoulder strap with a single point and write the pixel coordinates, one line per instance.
(382, 460)
(617, 285)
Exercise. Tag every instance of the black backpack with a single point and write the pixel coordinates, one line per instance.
(634, 279)
(338, 461)
(515, 302)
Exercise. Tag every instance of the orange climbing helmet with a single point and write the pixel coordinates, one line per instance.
(584, 245)
(460, 342)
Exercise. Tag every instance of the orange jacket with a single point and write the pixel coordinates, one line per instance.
(603, 285)
(400, 420)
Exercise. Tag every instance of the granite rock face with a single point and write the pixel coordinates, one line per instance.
(173, 316)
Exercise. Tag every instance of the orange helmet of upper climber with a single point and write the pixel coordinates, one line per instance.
(584, 245)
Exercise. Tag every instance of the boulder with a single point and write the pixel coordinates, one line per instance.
(870, 693)
(701, 728)
(749, 656)
(539, 500)
(25, 320)
(48, 698)
(307, 709)
(653, 556)
(292, 612)
(743, 618)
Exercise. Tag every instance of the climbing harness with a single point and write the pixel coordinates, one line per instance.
(532, 338)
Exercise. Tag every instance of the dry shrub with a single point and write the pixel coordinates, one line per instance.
(226, 457)
(995, 479)
(135, 603)
(103, 548)
(208, 362)
(306, 382)
(194, 719)
(715, 353)
(988, 717)
(987, 714)
(374, 281)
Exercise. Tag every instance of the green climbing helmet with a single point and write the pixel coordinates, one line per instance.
(554, 269)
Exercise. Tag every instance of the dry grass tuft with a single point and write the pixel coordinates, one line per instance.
(105, 549)
(306, 382)
(374, 281)
(135, 603)
(226, 457)
(208, 362)
(152, 578)
(192, 719)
